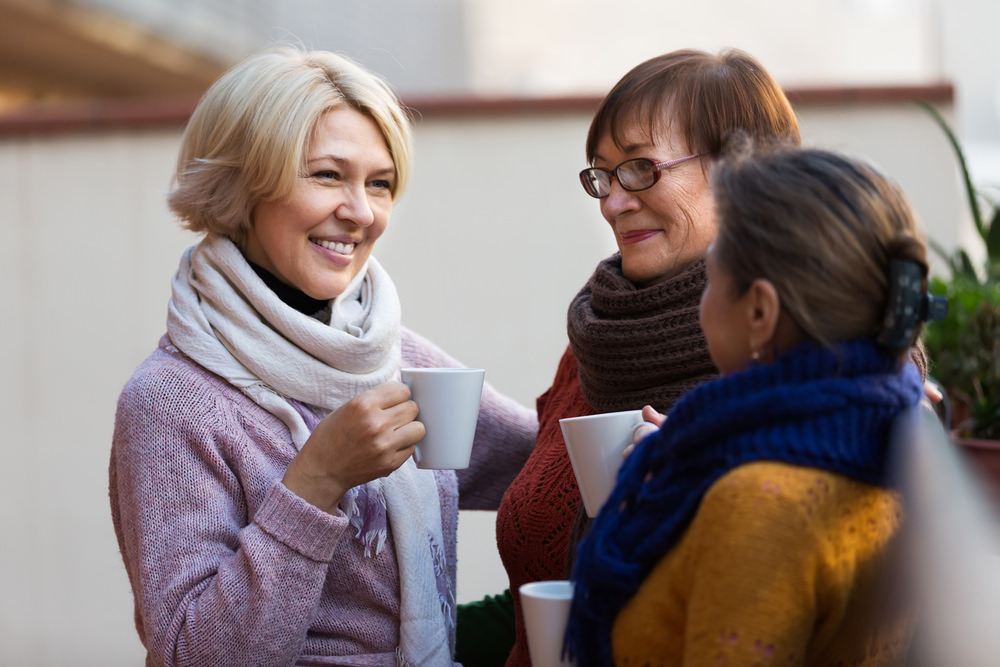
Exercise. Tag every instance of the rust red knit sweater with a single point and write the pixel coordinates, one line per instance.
(537, 512)
(635, 346)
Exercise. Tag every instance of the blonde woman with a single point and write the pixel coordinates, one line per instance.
(758, 525)
(262, 490)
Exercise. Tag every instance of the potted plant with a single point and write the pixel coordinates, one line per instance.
(964, 347)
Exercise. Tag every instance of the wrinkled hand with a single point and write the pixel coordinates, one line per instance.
(651, 422)
(367, 437)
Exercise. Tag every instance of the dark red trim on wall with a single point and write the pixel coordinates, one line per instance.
(171, 113)
(942, 93)
(75, 116)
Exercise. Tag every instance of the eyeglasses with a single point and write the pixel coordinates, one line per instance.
(634, 175)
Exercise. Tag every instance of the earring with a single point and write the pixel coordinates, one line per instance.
(755, 354)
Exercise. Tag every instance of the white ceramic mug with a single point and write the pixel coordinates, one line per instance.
(546, 610)
(448, 399)
(595, 444)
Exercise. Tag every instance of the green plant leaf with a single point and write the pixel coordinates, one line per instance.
(993, 237)
(970, 190)
(941, 252)
(964, 266)
(964, 348)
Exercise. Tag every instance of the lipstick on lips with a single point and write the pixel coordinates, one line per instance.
(638, 236)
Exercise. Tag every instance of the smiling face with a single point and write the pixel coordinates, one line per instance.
(662, 230)
(319, 237)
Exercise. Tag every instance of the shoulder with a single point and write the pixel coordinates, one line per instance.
(419, 352)
(171, 395)
(783, 483)
(569, 368)
(767, 480)
(168, 379)
(411, 340)
(776, 551)
(564, 394)
(786, 503)
(798, 528)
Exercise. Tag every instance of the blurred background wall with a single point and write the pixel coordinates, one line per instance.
(487, 247)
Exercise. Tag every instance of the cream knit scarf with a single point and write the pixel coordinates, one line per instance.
(222, 315)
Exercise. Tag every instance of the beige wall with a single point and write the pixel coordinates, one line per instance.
(487, 247)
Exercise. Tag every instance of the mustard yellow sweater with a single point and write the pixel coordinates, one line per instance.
(782, 565)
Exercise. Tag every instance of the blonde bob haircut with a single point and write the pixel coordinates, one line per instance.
(247, 140)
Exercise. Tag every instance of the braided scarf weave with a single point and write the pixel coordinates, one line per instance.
(638, 345)
(829, 409)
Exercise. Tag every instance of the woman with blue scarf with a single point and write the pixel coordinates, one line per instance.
(758, 525)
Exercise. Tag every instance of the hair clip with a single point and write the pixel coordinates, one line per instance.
(908, 304)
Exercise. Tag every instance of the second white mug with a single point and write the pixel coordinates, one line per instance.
(595, 444)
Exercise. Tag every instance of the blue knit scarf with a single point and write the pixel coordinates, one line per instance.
(828, 409)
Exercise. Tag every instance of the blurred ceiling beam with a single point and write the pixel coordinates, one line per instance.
(60, 49)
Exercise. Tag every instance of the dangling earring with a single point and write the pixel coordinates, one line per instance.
(755, 354)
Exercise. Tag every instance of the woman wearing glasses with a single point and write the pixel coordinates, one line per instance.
(759, 525)
(633, 328)
(262, 488)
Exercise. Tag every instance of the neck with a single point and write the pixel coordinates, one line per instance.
(290, 296)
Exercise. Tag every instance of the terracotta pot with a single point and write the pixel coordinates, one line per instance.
(984, 455)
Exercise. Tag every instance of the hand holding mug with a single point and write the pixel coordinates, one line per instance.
(368, 437)
(651, 423)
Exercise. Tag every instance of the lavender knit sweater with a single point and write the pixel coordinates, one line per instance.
(227, 566)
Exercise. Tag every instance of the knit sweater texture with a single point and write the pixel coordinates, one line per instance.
(229, 567)
(635, 346)
(826, 408)
(782, 565)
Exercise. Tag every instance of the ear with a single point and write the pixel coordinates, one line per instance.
(763, 310)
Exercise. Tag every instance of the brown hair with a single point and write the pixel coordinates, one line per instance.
(707, 96)
(822, 228)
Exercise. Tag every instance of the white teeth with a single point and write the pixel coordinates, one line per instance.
(337, 247)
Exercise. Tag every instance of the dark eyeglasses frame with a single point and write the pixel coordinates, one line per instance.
(613, 173)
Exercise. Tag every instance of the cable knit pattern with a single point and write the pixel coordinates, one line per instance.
(230, 567)
(623, 333)
(638, 345)
(782, 565)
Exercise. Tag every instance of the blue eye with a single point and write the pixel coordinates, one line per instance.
(382, 184)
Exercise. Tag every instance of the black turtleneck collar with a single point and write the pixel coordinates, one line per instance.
(290, 296)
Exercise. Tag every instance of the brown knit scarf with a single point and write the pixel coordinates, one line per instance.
(638, 345)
